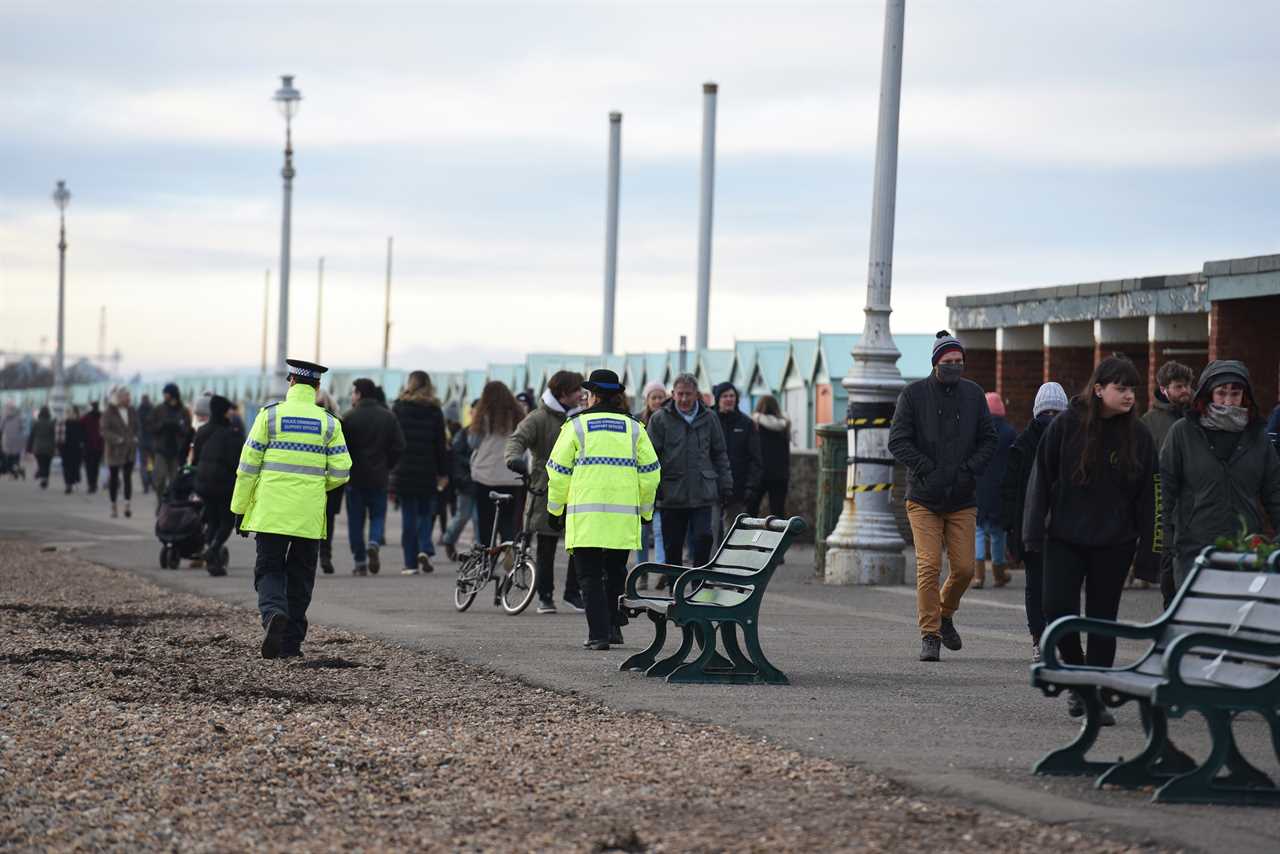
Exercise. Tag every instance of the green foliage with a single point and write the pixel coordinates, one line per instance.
(1245, 542)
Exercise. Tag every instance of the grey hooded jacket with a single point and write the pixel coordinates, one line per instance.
(695, 461)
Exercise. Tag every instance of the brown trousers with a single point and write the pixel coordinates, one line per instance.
(933, 531)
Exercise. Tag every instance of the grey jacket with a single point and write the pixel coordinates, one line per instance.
(1160, 419)
(537, 434)
(695, 461)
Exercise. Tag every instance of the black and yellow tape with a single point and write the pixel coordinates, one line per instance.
(869, 487)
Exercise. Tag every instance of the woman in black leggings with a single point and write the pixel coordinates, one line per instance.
(1092, 502)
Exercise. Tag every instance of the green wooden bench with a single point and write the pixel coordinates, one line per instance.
(1215, 651)
(713, 602)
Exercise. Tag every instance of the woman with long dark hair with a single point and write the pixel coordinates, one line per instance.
(71, 447)
(775, 446)
(1091, 502)
(493, 420)
(423, 469)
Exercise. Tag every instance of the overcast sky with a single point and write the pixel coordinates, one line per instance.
(1042, 143)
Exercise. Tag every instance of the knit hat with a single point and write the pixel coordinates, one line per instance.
(652, 386)
(945, 342)
(995, 404)
(1050, 397)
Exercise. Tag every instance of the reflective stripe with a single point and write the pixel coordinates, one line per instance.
(646, 509)
(635, 440)
(607, 461)
(296, 446)
(554, 505)
(248, 469)
(328, 427)
(627, 509)
(257, 446)
(555, 466)
(653, 466)
(336, 449)
(582, 439)
(290, 468)
(340, 474)
(271, 424)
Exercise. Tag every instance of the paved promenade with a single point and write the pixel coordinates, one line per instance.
(968, 729)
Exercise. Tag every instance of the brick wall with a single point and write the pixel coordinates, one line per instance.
(1069, 366)
(1245, 329)
(1019, 374)
(980, 366)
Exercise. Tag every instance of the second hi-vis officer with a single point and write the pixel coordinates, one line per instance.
(294, 455)
(602, 476)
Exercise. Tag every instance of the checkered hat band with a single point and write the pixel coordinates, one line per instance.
(304, 372)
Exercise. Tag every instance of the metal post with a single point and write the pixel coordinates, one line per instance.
(319, 306)
(684, 351)
(386, 322)
(282, 323)
(704, 215)
(59, 398)
(611, 230)
(266, 309)
(865, 547)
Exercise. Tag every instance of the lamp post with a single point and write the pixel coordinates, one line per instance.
(61, 198)
(865, 547)
(287, 99)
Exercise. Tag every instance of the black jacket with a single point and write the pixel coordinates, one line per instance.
(989, 481)
(460, 462)
(375, 442)
(944, 437)
(775, 446)
(1115, 508)
(742, 442)
(216, 455)
(1013, 487)
(170, 428)
(426, 453)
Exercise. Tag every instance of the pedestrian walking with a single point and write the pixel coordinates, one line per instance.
(1050, 400)
(13, 441)
(942, 434)
(295, 454)
(332, 498)
(1175, 383)
(527, 452)
(654, 396)
(91, 424)
(493, 421)
(1091, 501)
(991, 543)
(71, 447)
(774, 430)
(463, 488)
(146, 444)
(602, 476)
(42, 442)
(696, 474)
(423, 471)
(1218, 469)
(215, 453)
(375, 443)
(742, 444)
(120, 429)
(171, 434)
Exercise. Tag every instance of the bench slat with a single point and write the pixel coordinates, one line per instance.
(758, 539)
(1209, 669)
(1261, 617)
(738, 559)
(1247, 585)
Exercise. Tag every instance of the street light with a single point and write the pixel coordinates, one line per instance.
(287, 99)
(61, 198)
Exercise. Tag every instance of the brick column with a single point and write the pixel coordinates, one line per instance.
(1245, 329)
(979, 356)
(1069, 350)
(1178, 337)
(1019, 370)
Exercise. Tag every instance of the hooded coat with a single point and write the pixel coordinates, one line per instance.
(13, 437)
(216, 452)
(1160, 418)
(537, 435)
(426, 450)
(1206, 497)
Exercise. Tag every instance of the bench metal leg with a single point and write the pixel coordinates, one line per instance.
(729, 637)
(1243, 783)
(644, 659)
(767, 672)
(1070, 761)
(697, 670)
(664, 666)
(1158, 761)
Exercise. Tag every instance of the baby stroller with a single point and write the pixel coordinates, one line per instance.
(180, 522)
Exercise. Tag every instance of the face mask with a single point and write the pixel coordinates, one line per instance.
(1229, 419)
(950, 374)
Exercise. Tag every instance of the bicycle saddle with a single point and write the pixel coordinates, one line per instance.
(500, 497)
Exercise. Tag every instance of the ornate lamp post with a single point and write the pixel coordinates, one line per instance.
(61, 198)
(865, 547)
(287, 99)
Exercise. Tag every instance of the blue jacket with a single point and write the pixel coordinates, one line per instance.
(989, 481)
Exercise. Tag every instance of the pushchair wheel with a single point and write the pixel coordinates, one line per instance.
(164, 557)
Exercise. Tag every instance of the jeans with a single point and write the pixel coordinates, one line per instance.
(652, 534)
(601, 574)
(932, 532)
(363, 500)
(467, 512)
(693, 523)
(547, 570)
(991, 532)
(284, 574)
(489, 508)
(1102, 573)
(417, 519)
(113, 481)
(1034, 562)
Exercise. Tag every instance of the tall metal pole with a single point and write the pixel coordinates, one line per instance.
(386, 321)
(704, 215)
(865, 547)
(61, 196)
(319, 306)
(611, 231)
(266, 309)
(282, 322)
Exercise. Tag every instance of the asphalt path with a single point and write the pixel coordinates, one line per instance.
(968, 728)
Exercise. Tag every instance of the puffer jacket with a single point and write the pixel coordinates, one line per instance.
(537, 435)
(215, 453)
(989, 481)
(43, 441)
(695, 461)
(426, 450)
(775, 445)
(12, 436)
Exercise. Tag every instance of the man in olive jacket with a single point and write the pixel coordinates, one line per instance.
(943, 435)
(695, 470)
(536, 435)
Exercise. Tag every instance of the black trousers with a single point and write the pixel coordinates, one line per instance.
(511, 511)
(601, 575)
(686, 523)
(43, 461)
(220, 520)
(284, 575)
(92, 467)
(1102, 573)
(547, 569)
(777, 492)
(113, 481)
(1034, 599)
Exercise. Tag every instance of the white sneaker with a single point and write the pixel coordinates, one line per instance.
(546, 606)
(413, 571)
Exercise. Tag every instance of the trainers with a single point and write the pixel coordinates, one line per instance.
(950, 637)
(601, 645)
(1035, 653)
(360, 569)
(575, 602)
(410, 570)
(274, 636)
(375, 563)
(546, 606)
(424, 562)
(128, 511)
(930, 648)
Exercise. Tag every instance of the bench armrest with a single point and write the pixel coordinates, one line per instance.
(696, 576)
(1062, 625)
(633, 576)
(1223, 643)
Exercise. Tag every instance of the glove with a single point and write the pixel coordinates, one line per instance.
(556, 522)
(519, 465)
(239, 530)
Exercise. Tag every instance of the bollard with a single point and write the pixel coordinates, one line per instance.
(833, 465)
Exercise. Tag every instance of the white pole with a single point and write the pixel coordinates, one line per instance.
(59, 367)
(319, 306)
(266, 309)
(704, 215)
(611, 230)
(386, 322)
(282, 323)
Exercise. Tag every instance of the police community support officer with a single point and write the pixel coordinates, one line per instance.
(602, 476)
(295, 453)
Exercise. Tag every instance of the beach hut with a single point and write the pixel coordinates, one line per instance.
(797, 389)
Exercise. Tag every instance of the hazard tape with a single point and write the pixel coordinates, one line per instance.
(856, 423)
(869, 487)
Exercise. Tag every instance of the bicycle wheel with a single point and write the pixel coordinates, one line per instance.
(471, 576)
(518, 586)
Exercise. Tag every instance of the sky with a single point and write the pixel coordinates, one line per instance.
(1041, 143)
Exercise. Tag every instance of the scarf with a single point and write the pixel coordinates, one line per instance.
(1228, 419)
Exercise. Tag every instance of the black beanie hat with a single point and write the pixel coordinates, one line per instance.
(944, 342)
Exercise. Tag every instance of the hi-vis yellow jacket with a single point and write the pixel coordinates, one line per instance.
(603, 473)
(294, 455)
